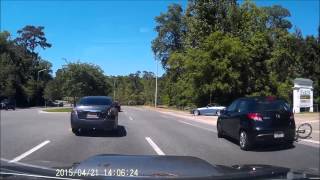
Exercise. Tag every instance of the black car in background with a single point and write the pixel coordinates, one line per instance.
(117, 105)
(251, 120)
(8, 104)
(94, 112)
(54, 103)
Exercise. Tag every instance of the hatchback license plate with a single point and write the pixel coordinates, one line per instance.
(278, 134)
(92, 116)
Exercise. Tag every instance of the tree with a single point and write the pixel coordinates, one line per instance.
(82, 79)
(170, 28)
(52, 91)
(31, 37)
(19, 67)
(231, 50)
(277, 17)
(206, 16)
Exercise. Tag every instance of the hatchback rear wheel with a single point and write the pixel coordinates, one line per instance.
(244, 141)
(220, 133)
(76, 131)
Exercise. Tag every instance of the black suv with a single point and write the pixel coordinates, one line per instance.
(251, 120)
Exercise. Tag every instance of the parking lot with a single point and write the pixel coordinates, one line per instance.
(45, 139)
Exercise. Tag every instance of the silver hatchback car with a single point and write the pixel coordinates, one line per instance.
(94, 112)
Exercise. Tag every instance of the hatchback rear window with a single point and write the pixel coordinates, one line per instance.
(95, 101)
(266, 105)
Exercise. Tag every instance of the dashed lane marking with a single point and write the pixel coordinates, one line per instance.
(155, 146)
(18, 158)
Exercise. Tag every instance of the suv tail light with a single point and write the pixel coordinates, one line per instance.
(255, 116)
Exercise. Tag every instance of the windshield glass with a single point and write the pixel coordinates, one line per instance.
(275, 105)
(94, 101)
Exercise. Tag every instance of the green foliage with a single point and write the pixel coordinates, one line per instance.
(20, 65)
(135, 89)
(170, 28)
(82, 79)
(228, 50)
(52, 91)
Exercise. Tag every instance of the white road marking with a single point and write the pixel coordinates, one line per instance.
(45, 112)
(311, 141)
(313, 121)
(40, 111)
(154, 146)
(18, 158)
(130, 118)
(198, 126)
(28, 165)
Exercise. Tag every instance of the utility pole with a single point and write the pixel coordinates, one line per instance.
(39, 72)
(156, 91)
(114, 89)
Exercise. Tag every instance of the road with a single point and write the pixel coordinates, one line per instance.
(45, 139)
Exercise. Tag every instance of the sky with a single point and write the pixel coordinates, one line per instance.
(116, 35)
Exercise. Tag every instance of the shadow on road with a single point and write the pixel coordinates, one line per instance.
(264, 147)
(120, 132)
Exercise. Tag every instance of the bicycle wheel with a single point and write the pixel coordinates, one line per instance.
(304, 130)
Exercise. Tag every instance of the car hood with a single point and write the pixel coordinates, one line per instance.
(165, 167)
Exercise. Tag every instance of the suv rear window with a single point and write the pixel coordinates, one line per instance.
(267, 105)
(95, 101)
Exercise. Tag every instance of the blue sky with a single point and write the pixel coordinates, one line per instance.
(115, 35)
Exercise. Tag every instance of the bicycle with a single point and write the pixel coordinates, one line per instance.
(303, 131)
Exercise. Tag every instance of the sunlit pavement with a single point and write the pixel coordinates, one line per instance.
(311, 118)
(45, 139)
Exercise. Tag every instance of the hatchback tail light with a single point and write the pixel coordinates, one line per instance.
(291, 116)
(255, 116)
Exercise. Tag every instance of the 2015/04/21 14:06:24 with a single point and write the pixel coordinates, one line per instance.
(95, 172)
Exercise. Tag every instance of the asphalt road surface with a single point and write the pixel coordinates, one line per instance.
(45, 139)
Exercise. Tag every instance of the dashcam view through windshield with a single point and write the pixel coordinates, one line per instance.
(159, 89)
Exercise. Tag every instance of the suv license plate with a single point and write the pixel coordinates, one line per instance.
(278, 135)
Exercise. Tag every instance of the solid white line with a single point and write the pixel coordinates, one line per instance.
(312, 121)
(28, 165)
(198, 126)
(33, 175)
(29, 152)
(130, 118)
(154, 146)
(311, 141)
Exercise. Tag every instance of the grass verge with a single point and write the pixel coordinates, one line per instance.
(58, 110)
